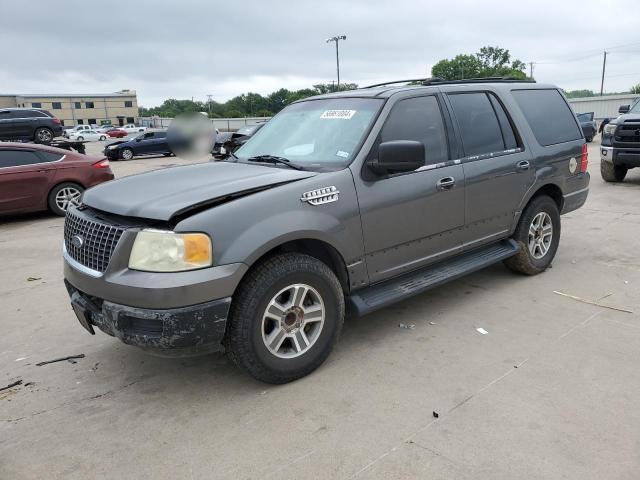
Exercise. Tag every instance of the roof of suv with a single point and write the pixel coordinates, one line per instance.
(11, 109)
(387, 90)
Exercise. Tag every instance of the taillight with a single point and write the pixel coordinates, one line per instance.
(102, 164)
(584, 158)
(56, 120)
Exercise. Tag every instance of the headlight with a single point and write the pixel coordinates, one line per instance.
(111, 147)
(609, 129)
(163, 251)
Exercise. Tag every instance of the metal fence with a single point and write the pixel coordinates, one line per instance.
(222, 124)
(602, 107)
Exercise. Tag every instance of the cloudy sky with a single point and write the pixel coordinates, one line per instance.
(189, 48)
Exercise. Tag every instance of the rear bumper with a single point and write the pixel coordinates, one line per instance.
(578, 186)
(191, 330)
(628, 157)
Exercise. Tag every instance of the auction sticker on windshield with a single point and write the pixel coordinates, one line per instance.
(340, 114)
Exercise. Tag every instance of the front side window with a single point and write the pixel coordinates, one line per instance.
(548, 115)
(479, 126)
(418, 119)
(315, 134)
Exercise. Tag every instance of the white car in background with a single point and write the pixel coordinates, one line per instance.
(87, 135)
(131, 128)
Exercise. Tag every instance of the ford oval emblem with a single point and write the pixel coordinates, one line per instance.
(77, 241)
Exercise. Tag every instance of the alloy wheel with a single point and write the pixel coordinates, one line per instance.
(68, 197)
(540, 235)
(293, 321)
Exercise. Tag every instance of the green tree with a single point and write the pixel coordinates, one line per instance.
(578, 93)
(635, 89)
(488, 62)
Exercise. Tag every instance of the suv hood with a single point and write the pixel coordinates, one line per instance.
(632, 117)
(163, 194)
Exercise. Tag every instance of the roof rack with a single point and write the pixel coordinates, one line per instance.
(441, 81)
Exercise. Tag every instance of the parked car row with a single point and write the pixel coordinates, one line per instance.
(39, 177)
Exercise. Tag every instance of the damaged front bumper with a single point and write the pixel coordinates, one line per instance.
(190, 330)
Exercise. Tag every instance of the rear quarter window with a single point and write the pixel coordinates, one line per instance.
(548, 115)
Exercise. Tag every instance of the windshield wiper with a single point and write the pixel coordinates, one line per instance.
(274, 159)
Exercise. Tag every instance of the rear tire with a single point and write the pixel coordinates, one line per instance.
(538, 234)
(43, 135)
(589, 139)
(285, 318)
(611, 172)
(63, 196)
(103, 138)
(80, 139)
(126, 154)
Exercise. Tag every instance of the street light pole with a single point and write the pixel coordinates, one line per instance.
(337, 40)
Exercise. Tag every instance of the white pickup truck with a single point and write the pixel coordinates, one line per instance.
(132, 128)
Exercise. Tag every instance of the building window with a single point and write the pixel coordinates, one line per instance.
(56, 105)
(128, 104)
(36, 105)
(77, 105)
(130, 120)
(91, 121)
(88, 104)
(80, 121)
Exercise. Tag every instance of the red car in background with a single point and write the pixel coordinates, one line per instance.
(37, 177)
(116, 133)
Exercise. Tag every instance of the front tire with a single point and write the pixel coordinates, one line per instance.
(64, 196)
(103, 138)
(611, 172)
(285, 318)
(43, 135)
(538, 234)
(589, 139)
(126, 154)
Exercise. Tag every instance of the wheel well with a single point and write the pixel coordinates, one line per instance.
(553, 191)
(317, 249)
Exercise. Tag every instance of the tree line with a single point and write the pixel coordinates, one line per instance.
(487, 62)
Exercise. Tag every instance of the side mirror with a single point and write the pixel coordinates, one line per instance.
(624, 109)
(398, 156)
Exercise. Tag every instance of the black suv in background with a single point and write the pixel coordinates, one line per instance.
(620, 146)
(32, 124)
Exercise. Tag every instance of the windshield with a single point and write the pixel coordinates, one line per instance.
(636, 107)
(315, 134)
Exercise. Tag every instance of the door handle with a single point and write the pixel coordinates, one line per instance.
(446, 183)
(523, 165)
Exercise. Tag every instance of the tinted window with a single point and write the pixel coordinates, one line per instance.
(130, 119)
(92, 121)
(56, 105)
(548, 115)
(160, 134)
(585, 117)
(508, 135)
(418, 119)
(50, 156)
(88, 104)
(36, 105)
(15, 158)
(478, 123)
(80, 122)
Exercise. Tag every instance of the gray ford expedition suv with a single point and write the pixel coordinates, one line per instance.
(620, 146)
(342, 202)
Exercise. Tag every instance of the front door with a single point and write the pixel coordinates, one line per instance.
(497, 167)
(412, 219)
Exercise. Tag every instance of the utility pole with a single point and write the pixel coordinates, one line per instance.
(337, 40)
(531, 69)
(604, 64)
(209, 96)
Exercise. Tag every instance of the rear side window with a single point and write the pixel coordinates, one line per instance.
(548, 115)
(479, 126)
(50, 156)
(418, 119)
(17, 158)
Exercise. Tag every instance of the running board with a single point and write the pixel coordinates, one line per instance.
(390, 291)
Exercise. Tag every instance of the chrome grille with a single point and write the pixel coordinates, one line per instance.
(96, 243)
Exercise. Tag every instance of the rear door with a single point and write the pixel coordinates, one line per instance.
(23, 123)
(25, 177)
(497, 167)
